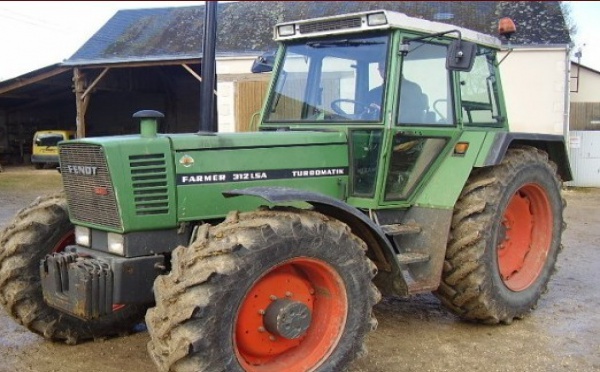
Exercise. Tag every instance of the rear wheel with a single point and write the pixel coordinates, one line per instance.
(264, 291)
(505, 238)
(40, 229)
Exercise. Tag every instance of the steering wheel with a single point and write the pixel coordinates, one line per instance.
(435, 103)
(363, 110)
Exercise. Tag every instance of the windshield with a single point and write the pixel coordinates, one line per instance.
(48, 139)
(333, 79)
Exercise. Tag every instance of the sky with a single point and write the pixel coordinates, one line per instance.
(35, 34)
(586, 16)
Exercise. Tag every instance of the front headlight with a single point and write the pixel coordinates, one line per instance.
(82, 236)
(116, 244)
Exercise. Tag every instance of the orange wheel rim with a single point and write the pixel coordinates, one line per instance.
(525, 237)
(305, 283)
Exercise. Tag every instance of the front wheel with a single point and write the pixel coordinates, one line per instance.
(38, 230)
(505, 238)
(273, 290)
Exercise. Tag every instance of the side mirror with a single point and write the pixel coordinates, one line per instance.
(461, 55)
(38, 142)
(264, 63)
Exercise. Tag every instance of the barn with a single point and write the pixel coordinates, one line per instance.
(151, 59)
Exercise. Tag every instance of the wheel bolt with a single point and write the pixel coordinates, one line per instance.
(273, 297)
(261, 312)
(288, 294)
(272, 338)
(262, 329)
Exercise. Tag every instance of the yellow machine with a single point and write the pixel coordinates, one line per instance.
(44, 150)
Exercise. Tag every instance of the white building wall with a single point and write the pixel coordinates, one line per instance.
(584, 146)
(226, 106)
(535, 82)
(235, 65)
(226, 90)
(585, 84)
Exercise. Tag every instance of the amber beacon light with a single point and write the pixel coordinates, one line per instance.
(506, 27)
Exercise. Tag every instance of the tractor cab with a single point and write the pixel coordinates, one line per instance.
(403, 96)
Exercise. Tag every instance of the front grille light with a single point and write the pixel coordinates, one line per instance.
(377, 19)
(286, 30)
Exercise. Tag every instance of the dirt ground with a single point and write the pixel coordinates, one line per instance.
(414, 334)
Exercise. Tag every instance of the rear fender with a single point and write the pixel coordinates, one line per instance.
(554, 145)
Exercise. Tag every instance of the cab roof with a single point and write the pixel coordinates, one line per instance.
(365, 21)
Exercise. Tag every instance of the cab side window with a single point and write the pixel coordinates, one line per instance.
(425, 89)
(479, 91)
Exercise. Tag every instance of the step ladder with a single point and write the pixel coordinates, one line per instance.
(408, 258)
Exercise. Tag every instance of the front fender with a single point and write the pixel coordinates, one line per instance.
(381, 251)
(319, 201)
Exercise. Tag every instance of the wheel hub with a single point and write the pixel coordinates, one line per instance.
(291, 316)
(288, 319)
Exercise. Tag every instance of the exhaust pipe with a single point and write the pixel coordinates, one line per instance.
(208, 102)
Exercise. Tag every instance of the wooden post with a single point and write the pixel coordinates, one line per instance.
(81, 101)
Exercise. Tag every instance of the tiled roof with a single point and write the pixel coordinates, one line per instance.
(538, 22)
(247, 26)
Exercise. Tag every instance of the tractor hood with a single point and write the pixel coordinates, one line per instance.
(137, 182)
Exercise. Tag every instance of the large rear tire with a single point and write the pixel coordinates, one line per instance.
(505, 238)
(40, 229)
(272, 290)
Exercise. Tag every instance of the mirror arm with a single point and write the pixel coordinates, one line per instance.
(405, 42)
(506, 55)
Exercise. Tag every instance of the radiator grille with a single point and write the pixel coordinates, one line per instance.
(337, 24)
(149, 181)
(88, 185)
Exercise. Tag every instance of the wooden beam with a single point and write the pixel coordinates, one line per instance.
(194, 74)
(93, 84)
(81, 103)
(141, 64)
(19, 83)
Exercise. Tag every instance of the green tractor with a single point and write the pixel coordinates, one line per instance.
(267, 250)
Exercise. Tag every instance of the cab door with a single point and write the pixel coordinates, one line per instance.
(425, 126)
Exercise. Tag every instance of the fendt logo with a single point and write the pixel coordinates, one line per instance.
(84, 170)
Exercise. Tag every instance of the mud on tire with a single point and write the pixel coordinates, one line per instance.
(212, 308)
(37, 230)
(505, 238)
